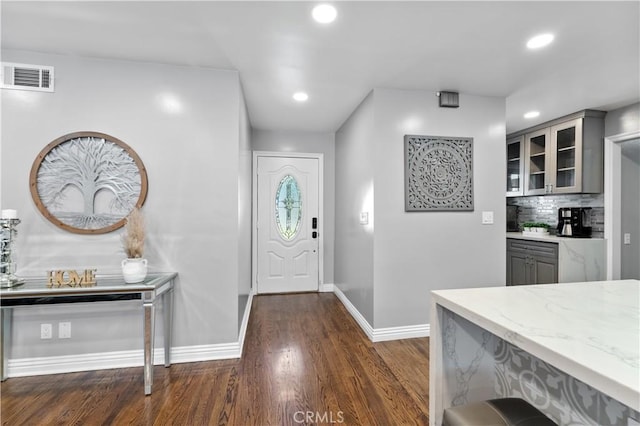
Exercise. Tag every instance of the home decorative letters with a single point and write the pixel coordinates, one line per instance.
(88, 182)
(71, 278)
(438, 173)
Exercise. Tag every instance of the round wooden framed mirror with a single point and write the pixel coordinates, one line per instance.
(88, 182)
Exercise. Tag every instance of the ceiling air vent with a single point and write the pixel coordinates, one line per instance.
(27, 77)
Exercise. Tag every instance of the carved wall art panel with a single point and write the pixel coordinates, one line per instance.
(438, 173)
(88, 182)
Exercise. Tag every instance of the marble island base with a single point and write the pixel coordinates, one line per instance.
(571, 350)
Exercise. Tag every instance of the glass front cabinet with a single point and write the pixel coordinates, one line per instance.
(515, 166)
(566, 140)
(537, 165)
(562, 156)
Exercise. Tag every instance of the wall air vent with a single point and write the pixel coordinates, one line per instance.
(448, 99)
(26, 77)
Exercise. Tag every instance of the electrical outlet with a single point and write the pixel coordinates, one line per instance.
(627, 238)
(46, 331)
(64, 330)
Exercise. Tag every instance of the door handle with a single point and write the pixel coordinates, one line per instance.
(314, 234)
(314, 223)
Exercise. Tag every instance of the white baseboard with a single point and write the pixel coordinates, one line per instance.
(398, 333)
(121, 359)
(124, 359)
(202, 353)
(326, 288)
(245, 321)
(361, 320)
(74, 363)
(381, 334)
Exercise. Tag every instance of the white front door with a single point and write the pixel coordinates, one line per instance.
(287, 224)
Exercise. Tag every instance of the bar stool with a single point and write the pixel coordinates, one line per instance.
(496, 412)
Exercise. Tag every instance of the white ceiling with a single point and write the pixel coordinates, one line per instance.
(472, 47)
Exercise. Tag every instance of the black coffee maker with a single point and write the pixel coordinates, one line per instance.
(574, 222)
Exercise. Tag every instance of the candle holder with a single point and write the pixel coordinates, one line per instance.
(8, 234)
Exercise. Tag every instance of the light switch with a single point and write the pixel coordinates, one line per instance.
(364, 218)
(487, 218)
(627, 238)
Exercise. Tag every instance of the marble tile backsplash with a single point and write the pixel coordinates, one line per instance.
(545, 209)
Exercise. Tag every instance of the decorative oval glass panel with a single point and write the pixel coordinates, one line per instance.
(288, 208)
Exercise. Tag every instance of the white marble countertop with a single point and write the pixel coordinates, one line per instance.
(589, 330)
(548, 238)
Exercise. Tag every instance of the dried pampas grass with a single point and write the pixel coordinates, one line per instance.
(133, 237)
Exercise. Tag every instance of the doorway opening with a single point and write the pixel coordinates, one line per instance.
(620, 202)
(287, 235)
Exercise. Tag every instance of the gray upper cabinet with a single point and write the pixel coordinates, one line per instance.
(561, 156)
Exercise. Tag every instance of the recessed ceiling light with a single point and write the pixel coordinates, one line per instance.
(300, 96)
(324, 13)
(532, 114)
(539, 41)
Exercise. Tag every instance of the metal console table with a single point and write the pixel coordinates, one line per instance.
(108, 288)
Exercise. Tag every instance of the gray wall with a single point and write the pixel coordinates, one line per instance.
(309, 142)
(195, 217)
(622, 120)
(630, 209)
(244, 210)
(414, 253)
(355, 146)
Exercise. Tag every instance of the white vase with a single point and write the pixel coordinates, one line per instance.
(134, 270)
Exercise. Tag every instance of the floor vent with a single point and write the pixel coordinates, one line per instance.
(27, 77)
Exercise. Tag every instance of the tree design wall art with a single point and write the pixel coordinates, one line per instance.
(438, 173)
(88, 182)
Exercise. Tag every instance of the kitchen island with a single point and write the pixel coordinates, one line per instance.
(571, 350)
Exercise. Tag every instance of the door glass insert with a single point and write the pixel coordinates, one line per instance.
(288, 208)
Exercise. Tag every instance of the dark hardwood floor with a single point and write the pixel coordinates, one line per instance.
(305, 361)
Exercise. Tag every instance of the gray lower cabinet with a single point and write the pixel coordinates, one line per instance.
(531, 262)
